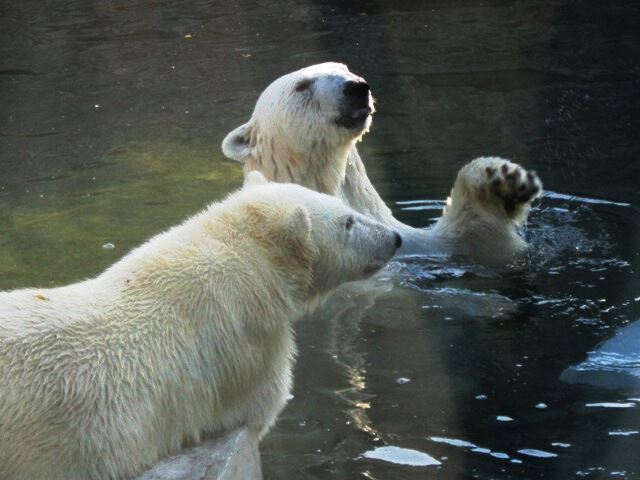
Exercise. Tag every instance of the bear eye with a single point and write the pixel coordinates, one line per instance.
(349, 223)
(303, 85)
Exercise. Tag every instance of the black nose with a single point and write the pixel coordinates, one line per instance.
(356, 89)
(398, 240)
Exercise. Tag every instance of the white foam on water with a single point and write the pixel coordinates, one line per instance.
(481, 450)
(453, 441)
(499, 455)
(474, 448)
(624, 433)
(611, 405)
(532, 452)
(578, 199)
(401, 456)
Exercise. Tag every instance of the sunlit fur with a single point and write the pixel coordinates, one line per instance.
(292, 136)
(189, 333)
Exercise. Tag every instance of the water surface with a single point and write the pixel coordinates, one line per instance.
(111, 117)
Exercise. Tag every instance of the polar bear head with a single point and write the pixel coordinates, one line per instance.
(303, 126)
(315, 231)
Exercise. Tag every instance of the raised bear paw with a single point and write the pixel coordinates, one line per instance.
(497, 183)
(512, 184)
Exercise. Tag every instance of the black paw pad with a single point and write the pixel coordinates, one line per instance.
(513, 177)
(527, 195)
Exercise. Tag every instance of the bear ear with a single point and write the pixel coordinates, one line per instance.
(237, 144)
(254, 179)
(297, 224)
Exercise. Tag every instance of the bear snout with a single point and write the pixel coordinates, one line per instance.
(356, 104)
(398, 240)
(358, 90)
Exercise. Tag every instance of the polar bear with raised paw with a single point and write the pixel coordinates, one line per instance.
(188, 334)
(304, 130)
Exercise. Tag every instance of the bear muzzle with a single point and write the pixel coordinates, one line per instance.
(398, 238)
(356, 105)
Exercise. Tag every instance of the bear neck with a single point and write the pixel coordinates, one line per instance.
(289, 261)
(281, 292)
(357, 191)
(339, 172)
(321, 168)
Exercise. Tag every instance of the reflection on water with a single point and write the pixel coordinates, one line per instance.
(110, 123)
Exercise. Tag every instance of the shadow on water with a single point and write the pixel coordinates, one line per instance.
(110, 123)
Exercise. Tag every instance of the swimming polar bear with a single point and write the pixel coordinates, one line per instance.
(304, 130)
(189, 333)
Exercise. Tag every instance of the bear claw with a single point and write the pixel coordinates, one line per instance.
(513, 185)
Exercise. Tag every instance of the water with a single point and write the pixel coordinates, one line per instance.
(111, 116)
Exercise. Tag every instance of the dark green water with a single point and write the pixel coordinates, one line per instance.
(111, 117)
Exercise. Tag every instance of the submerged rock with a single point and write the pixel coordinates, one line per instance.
(230, 456)
(615, 364)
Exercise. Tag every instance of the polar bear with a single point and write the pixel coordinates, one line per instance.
(304, 130)
(187, 334)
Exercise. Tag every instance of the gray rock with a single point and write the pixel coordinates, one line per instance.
(230, 456)
(615, 364)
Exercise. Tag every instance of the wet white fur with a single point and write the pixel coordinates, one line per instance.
(187, 334)
(292, 136)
